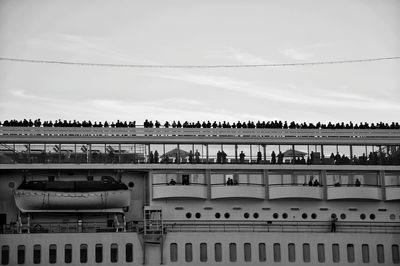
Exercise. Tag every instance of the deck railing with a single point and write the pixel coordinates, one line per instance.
(214, 226)
(199, 132)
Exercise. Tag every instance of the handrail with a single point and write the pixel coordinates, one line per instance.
(217, 226)
(199, 132)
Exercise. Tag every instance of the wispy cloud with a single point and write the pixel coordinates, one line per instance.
(237, 55)
(297, 54)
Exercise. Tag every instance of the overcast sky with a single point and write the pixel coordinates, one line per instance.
(207, 32)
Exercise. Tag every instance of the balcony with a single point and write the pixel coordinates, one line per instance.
(293, 192)
(392, 192)
(354, 192)
(253, 191)
(162, 191)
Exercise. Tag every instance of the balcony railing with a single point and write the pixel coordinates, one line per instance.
(293, 191)
(392, 192)
(194, 190)
(198, 132)
(239, 190)
(371, 192)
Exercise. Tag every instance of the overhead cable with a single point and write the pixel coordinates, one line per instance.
(39, 61)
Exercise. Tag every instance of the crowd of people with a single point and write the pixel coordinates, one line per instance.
(177, 124)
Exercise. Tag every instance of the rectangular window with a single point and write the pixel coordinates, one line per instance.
(5, 255)
(218, 252)
(395, 254)
(335, 253)
(129, 252)
(114, 253)
(36, 254)
(188, 252)
(380, 253)
(52, 254)
(173, 252)
(21, 254)
(262, 254)
(203, 252)
(68, 253)
(306, 253)
(292, 252)
(99, 253)
(247, 252)
(365, 253)
(277, 252)
(232, 252)
(350, 253)
(321, 252)
(83, 253)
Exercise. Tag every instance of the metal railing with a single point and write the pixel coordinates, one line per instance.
(217, 226)
(199, 132)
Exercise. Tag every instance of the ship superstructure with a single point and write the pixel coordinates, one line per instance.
(178, 196)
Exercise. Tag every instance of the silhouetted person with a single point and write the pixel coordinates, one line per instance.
(197, 156)
(259, 155)
(241, 156)
(333, 224)
(273, 157)
(156, 156)
(358, 182)
(172, 182)
(191, 156)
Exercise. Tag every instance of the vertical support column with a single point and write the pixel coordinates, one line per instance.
(59, 153)
(236, 153)
(265, 183)
(294, 155)
(89, 155)
(206, 153)
(265, 152)
(119, 153)
(324, 185)
(178, 157)
(29, 153)
(351, 154)
(208, 182)
(148, 196)
(381, 183)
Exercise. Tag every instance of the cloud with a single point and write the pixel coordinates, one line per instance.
(237, 55)
(296, 54)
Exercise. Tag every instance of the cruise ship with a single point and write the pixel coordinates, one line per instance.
(199, 196)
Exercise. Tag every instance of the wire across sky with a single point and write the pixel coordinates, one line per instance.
(39, 61)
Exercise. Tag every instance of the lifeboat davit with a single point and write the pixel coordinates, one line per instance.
(72, 196)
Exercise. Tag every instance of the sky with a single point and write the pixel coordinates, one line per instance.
(207, 32)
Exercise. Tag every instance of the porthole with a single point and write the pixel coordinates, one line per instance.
(217, 215)
(333, 215)
(304, 216)
(275, 215)
(246, 215)
(188, 215)
(342, 216)
(11, 185)
(372, 216)
(255, 215)
(392, 216)
(227, 215)
(362, 216)
(284, 215)
(131, 184)
(197, 215)
(314, 216)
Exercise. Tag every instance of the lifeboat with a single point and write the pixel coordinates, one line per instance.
(72, 196)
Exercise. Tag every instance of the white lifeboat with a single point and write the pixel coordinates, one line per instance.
(72, 196)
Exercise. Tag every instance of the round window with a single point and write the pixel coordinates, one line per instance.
(275, 215)
(314, 216)
(392, 216)
(188, 215)
(342, 216)
(372, 216)
(362, 216)
(217, 215)
(131, 184)
(11, 185)
(246, 215)
(333, 215)
(304, 215)
(197, 215)
(227, 215)
(284, 215)
(255, 215)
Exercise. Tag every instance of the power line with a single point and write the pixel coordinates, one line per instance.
(37, 61)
